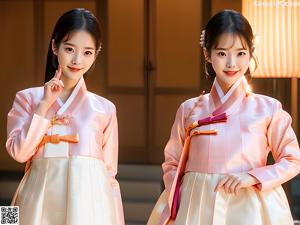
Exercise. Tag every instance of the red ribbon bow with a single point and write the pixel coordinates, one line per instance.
(213, 119)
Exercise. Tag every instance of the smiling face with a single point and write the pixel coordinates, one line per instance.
(76, 54)
(230, 59)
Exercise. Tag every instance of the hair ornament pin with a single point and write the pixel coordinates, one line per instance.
(99, 49)
(202, 39)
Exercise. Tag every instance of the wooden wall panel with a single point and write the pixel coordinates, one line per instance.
(177, 62)
(125, 43)
(177, 32)
(17, 63)
(132, 127)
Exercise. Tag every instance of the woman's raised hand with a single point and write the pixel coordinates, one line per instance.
(52, 90)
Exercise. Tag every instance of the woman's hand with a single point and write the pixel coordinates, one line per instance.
(232, 183)
(52, 90)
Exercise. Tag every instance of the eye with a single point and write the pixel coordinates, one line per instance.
(241, 53)
(221, 54)
(88, 53)
(69, 49)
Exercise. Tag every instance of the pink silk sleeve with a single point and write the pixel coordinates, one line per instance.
(173, 150)
(285, 150)
(110, 149)
(25, 129)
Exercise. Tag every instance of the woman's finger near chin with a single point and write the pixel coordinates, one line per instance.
(62, 84)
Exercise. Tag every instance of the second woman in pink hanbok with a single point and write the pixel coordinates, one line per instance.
(67, 135)
(215, 169)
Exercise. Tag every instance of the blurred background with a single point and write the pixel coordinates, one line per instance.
(151, 61)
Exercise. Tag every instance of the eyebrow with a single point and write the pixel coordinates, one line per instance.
(68, 43)
(239, 49)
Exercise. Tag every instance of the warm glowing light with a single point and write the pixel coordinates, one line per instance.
(277, 43)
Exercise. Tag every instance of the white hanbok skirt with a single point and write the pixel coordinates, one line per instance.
(66, 191)
(200, 205)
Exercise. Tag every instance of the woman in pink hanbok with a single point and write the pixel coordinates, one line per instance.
(215, 169)
(67, 135)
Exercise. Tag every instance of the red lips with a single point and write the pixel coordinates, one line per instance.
(231, 73)
(73, 69)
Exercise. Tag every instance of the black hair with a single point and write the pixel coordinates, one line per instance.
(227, 21)
(75, 19)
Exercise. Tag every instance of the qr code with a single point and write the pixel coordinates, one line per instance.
(9, 215)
